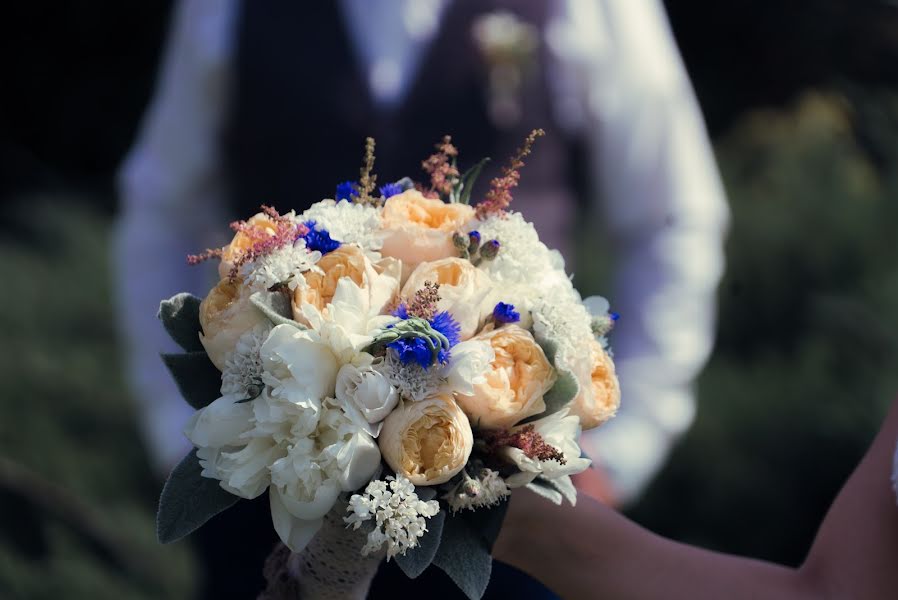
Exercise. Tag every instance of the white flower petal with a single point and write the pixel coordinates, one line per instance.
(221, 423)
(295, 533)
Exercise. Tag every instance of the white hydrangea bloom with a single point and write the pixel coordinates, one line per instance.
(281, 265)
(522, 257)
(398, 514)
(348, 222)
(242, 374)
(566, 322)
(470, 494)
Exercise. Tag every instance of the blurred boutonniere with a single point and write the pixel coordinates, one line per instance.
(509, 49)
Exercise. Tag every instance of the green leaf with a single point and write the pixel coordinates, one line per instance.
(464, 557)
(560, 488)
(487, 522)
(415, 561)
(559, 396)
(180, 315)
(564, 390)
(276, 306)
(188, 500)
(462, 191)
(541, 488)
(424, 493)
(198, 380)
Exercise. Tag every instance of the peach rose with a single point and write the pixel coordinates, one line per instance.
(225, 314)
(464, 290)
(428, 441)
(420, 229)
(380, 280)
(515, 384)
(261, 225)
(599, 395)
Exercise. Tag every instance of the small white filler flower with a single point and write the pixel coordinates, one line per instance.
(398, 513)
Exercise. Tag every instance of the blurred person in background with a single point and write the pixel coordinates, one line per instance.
(269, 102)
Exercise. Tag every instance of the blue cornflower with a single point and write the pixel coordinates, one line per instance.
(614, 316)
(318, 238)
(416, 349)
(390, 190)
(401, 311)
(412, 349)
(346, 191)
(449, 327)
(505, 313)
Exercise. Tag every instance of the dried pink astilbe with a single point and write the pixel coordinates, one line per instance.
(424, 302)
(260, 240)
(499, 196)
(527, 440)
(439, 165)
(207, 254)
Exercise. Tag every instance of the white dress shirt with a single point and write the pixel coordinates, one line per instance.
(617, 77)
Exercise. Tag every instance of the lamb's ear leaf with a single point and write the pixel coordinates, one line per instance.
(416, 560)
(559, 396)
(543, 488)
(487, 521)
(188, 500)
(566, 386)
(464, 557)
(562, 486)
(276, 306)
(180, 315)
(198, 380)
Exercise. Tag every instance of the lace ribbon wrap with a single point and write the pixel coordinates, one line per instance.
(331, 567)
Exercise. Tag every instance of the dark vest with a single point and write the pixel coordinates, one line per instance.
(301, 110)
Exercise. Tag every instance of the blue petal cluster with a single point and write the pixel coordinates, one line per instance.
(390, 190)
(346, 191)
(416, 349)
(505, 313)
(401, 311)
(412, 350)
(318, 238)
(449, 327)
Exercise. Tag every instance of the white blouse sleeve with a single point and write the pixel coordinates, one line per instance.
(625, 85)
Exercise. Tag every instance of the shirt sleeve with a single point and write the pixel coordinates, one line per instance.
(666, 213)
(170, 204)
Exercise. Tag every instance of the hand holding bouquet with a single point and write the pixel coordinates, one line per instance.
(398, 356)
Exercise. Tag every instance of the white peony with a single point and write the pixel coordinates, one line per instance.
(559, 430)
(349, 453)
(348, 324)
(298, 365)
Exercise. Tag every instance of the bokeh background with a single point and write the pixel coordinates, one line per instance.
(802, 105)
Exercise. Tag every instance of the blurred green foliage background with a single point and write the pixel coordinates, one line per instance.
(806, 133)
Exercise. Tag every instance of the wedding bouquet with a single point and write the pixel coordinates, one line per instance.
(394, 362)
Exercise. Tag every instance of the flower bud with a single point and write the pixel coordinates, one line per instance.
(489, 250)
